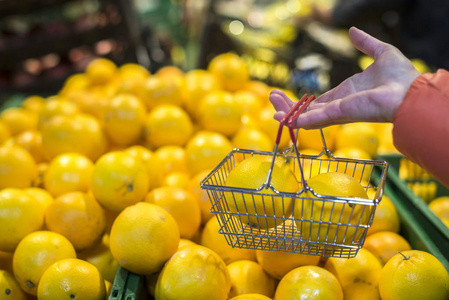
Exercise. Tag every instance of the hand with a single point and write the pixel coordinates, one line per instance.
(371, 96)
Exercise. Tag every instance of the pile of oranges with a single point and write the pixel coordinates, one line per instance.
(107, 173)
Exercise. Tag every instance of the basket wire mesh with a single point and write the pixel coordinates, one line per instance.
(304, 222)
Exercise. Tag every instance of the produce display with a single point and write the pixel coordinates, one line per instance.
(107, 173)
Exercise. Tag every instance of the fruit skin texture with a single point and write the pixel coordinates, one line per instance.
(212, 239)
(249, 277)
(332, 184)
(386, 244)
(9, 287)
(194, 272)
(251, 174)
(230, 70)
(143, 237)
(119, 180)
(364, 268)
(68, 172)
(250, 297)
(18, 168)
(181, 204)
(414, 275)
(20, 214)
(71, 278)
(386, 217)
(278, 264)
(309, 282)
(35, 253)
(78, 217)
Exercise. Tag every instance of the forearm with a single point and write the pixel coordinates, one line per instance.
(421, 124)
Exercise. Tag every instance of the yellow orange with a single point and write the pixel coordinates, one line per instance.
(157, 90)
(78, 217)
(440, 207)
(414, 275)
(119, 180)
(360, 171)
(141, 229)
(270, 126)
(35, 253)
(18, 119)
(149, 160)
(194, 187)
(181, 204)
(55, 106)
(311, 139)
(42, 196)
(358, 135)
(5, 133)
(72, 278)
(212, 239)
(386, 217)
(309, 282)
(101, 71)
(18, 168)
(20, 214)
(131, 78)
(194, 272)
(205, 150)
(31, 141)
(177, 179)
(168, 124)
(251, 297)
(230, 70)
(170, 159)
(68, 172)
(123, 119)
(10, 287)
(278, 264)
(252, 139)
(33, 103)
(386, 244)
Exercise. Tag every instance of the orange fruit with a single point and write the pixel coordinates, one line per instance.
(131, 78)
(364, 268)
(31, 141)
(205, 150)
(75, 82)
(78, 217)
(72, 278)
(252, 174)
(18, 120)
(337, 185)
(413, 275)
(33, 103)
(360, 290)
(123, 119)
(42, 196)
(309, 282)
(358, 135)
(9, 287)
(177, 179)
(101, 71)
(142, 229)
(212, 239)
(119, 180)
(101, 257)
(386, 217)
(68, 172)
(197, 84)
(230, 70)
(149, 160)
(252, 139)
(259, 88)
(157, 90)
(79, 133)
(186, 243)
(278, 264)
(17, 167)
(56, 106)
(219, 111)
(440, 207)
(5, 133)
(194, 272)
(20, 214)
(359, 171)
(201, 195)
(170, 71)
(311, 139)
(181, 204)
(250, 297)
(170, 159)
(250, 102)
(35, 253)
(270, 126)
(249, 277)
(386, 244)
(168, 125)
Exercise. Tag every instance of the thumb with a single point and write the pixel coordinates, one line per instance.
(367, 43)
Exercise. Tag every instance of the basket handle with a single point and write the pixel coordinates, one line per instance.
(288, 119)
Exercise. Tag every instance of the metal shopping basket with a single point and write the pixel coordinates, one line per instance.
(303, 222)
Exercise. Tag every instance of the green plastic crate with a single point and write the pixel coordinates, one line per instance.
(128, 286)
(419, 225)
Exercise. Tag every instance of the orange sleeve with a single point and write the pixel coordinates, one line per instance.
(421, 124)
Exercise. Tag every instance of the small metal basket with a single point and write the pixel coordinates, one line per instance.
(303, 222)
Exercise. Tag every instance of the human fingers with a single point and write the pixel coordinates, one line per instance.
(367, 43)
(280, 101)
